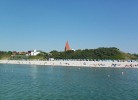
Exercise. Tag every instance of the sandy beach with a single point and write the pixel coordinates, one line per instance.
(108, 63)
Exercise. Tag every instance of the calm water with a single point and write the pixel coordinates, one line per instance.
(26, 82)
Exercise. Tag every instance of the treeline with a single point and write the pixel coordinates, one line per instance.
(100, 53)
(92, 54)
(5, 54)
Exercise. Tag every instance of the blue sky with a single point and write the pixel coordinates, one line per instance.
(47, 24)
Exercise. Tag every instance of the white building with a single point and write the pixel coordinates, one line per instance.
(33, 53)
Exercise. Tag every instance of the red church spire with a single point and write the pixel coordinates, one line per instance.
(67, 47)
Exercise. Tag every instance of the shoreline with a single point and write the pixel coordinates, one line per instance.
(108, 63)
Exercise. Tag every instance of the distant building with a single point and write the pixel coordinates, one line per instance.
(51, 59)
(29, 53)
(33, 53)
(67, 47)
(22, 53)
(14, 53)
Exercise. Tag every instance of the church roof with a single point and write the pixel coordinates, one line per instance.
(67, 47)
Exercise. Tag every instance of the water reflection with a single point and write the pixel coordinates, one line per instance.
(34, 71)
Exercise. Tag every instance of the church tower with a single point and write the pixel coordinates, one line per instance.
(67, 47)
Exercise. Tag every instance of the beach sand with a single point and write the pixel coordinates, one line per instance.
(108, 63)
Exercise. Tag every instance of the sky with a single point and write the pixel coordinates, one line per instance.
(87, 24)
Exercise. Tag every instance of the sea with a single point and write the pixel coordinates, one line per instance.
(31, 82)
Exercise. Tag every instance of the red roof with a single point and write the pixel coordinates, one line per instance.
(67, 47)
